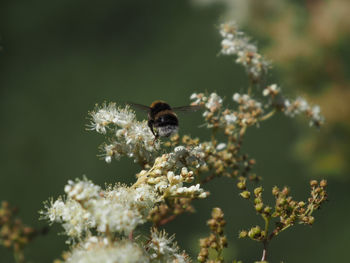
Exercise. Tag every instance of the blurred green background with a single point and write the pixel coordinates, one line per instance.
(59, 58)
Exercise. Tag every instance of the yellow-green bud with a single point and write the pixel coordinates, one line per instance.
(217, 213)
(267, 210)
(275, 190)
(301, 204)
(245, 194)
(254, 232)
(242, 234)
(241, 185)
(258, 191)
(259, 207)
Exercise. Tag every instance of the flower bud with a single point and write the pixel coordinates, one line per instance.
(275, 190)
(313, 183)
(241, 185)
(258, 191)
(245, 194)
(223, 241)
(285, 191)
(311, 220)
(259, 207)
(323, 183)
(217, 213)
(254, 232)
(301, 204)
(242, 234)
(267, 210)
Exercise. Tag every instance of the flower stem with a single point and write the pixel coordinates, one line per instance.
(268, 115)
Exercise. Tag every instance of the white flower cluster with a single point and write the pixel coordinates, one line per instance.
(129, 137)
(168, 184)
(236, 43)
(162, 248)
(247, 103)
(213, 105)
(271, 90)
(248, 112)
(300, 105)
(97, 249)
(214, 102)
(74, 219)
(117, 209)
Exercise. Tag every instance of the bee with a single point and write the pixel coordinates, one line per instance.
(162, 119)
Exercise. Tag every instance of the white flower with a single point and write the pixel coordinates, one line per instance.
(296, 107)
(198, 98)
(163, 248)
(214, 102)
(236, 97)
(193, 96)
(98, 250)
(124, 117)
(119, 209)
(81, 189)
(247, 103)
(271, 90)
(74, 219)
(102, 117)
(230, 118)
(129, 138)
(316, 118)
(235, 43)
(221, 146)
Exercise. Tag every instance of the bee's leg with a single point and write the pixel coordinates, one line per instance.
(150, 125)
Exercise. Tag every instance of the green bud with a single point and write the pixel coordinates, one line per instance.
(311, 220)
(217, 213)
(258, 191)
(267, 210)
(301, 204)
(245, 194)
(241, 185)
(242, 234)
(223, 241)
(275, 190)
(254, 232)
(259, 207)
(257, 200)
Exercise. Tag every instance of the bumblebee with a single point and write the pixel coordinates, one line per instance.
(162, 119)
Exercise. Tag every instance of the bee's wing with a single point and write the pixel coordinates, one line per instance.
(139, 106)
(189, 108)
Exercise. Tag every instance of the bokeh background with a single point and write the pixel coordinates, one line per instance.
(59, 58)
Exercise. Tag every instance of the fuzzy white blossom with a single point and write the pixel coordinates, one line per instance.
(271, 90)
(162, 248)
(116, 209)
(236, 43)
(247, 102)
(74, 218)
(316, 118)
(214, 102)
(127, 136)
(299, 106)
(163, 177)
(230, 118)
(295, 107)
(97, 249)
(82, 189)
